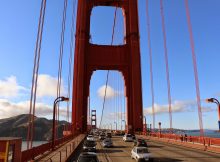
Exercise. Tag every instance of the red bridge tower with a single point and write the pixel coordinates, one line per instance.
(124, 58)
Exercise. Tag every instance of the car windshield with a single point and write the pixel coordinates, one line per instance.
(142, 150)
(90, 143)
(142, 142)
(128, 135)
(87, 159)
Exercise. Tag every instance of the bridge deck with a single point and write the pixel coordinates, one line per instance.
(162, 152)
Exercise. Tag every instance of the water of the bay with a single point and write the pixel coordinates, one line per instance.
(35, 143)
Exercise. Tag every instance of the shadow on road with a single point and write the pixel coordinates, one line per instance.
(108, 151)
(155, 146)
(120, 146)
(166, 160)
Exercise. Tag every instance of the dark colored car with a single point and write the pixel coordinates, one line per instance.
(88, 157)
(89, 146)
(140, 143)
(108, 135)
(107, 142)
(102, 136)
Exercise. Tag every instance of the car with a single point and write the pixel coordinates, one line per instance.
(88, 157)
(108, 135)
(102, 136)
(141, 153)
(134, 137)
(90, 137)
(140, 143)
(107, 142)
(127, 138)
(89, 146)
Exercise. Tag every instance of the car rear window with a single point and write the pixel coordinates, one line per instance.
(142, 150)
(88, 159)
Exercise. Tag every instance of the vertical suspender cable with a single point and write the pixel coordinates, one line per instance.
(113, 34)
(167, 63)
(61, 59)
(71, 58)
(195, 68)
(151, 65)
(121, 99)
(35, 75)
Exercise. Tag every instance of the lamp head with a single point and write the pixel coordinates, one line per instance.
(209, 100)
(64, 99)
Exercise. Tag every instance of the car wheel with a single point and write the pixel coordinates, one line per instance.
(151, 159)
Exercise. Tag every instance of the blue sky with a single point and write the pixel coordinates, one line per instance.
(18, 30)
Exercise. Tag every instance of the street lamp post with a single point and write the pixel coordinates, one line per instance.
(159, 128)
(58, 99)
(111, 126)
(145, 124)
(125, 124)
(115, 125)
(214, 100)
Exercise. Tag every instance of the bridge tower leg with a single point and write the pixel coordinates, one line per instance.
(91, 57)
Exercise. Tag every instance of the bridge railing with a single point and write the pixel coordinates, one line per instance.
(30, 154)
(206, 141)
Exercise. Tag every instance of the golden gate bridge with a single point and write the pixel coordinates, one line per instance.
(124, 59)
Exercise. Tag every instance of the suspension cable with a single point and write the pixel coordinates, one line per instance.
(71, 57)
(167, 64)
(35, 75)
(195, 68)
(61, 61)
(151, 64)
(107, 76)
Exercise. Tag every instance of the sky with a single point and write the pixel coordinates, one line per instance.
(18, 30)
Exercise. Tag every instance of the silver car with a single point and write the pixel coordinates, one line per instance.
(141, 153)
(107, 142)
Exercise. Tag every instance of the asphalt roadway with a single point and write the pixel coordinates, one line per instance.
(161, 152)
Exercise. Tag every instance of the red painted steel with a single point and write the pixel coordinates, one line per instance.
(196, 142)
(36, 151)
(91, 57)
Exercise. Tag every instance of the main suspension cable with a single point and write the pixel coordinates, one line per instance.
(70, 74)
(59, 83)
(30, 132)
(107, 76)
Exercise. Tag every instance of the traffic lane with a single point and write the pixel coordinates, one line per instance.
(167, 152)
(120, 152)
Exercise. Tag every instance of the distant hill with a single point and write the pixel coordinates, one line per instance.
(17, 126)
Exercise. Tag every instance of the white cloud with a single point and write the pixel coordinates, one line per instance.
(110, 92)
(47, 86)
(10, 88)
(9, 109)
(177, 106)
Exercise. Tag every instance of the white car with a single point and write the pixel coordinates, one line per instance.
(90, 138)
(141, 153)
(127, 138)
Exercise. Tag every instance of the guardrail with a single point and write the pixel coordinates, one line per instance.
(66, 151)
(205, 143)
(32, 153)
